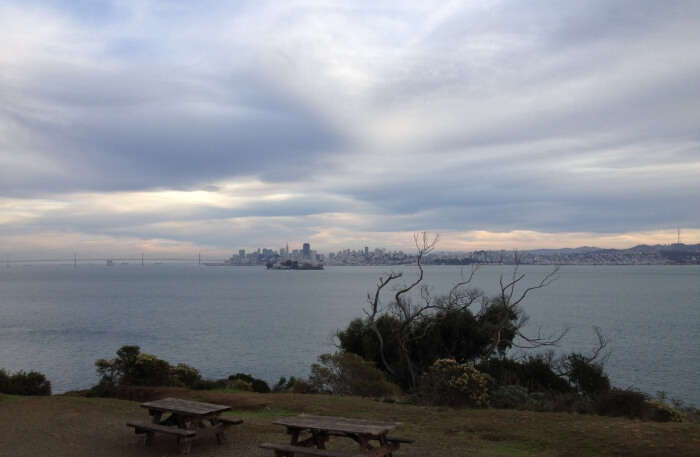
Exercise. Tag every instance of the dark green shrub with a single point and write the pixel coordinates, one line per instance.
(623, 402)
(661, 412)
(186, 375)
(283, 384)
(586, 376)
(293, 385)
(239, 384)
(510, 397)
(455, 384)
(260, 386)
(132, 367)
(257, 385)
(300, 386)
(4, 381)
(24, 383)
(344, 373)
(149, 370)
(209, 384)
(562, 402)
(534, 373)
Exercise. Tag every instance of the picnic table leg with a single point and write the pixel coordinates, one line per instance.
(320, 439)
(220, 437)
(295, 432)
(185, 444)
(383, 442)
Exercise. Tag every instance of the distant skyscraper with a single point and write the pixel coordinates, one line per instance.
(366, 251)
(306, 251)
(241, 253)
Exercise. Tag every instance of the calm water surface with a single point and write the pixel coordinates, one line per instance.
(59, 320)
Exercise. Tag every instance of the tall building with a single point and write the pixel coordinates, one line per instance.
(241, 253)
(306, 251)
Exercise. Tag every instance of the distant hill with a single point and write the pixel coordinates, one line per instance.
(669, 254)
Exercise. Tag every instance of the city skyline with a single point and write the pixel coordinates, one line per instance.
(148, 127)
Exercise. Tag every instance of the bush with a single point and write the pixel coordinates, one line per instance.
(623, 402)
(661, 412)
(345, 373)
(561, 402)
(186, 375)
(209, 384)
(300, 386)
(257, 385)
(294, 385)
(510, 397)
(454, 384)
(283, 385)
(4, 381)
(587, 377)
(24, 383)
(149, 370)
(533, 373)
(239, 384)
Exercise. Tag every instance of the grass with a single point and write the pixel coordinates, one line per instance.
(95, 427)
(8, 397)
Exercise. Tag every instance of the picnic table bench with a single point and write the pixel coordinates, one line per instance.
(371, 436)
(185, 421)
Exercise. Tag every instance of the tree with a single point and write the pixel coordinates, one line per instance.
(407, 335)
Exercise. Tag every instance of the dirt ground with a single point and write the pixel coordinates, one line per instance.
(65, 426)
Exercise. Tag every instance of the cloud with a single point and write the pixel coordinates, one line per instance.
(260, 122)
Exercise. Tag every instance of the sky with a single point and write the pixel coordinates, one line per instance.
(172, 127)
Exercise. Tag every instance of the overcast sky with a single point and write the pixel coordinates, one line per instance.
(173, 127)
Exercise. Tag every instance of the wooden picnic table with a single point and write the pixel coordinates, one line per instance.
(184, 419)
(370, 435)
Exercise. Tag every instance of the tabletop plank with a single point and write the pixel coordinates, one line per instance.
(338, 424)
(185, 407)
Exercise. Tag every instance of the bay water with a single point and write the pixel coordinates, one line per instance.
(58, 320)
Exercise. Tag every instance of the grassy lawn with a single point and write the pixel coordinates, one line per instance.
(75, 426)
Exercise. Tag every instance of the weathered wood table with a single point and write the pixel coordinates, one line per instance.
(309, 432)
(184, 419)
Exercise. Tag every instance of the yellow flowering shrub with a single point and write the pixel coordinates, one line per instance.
(455, 384)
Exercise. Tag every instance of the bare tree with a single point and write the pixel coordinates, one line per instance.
(402, 307)
(598, 354)
(408, 310)
(509, 300)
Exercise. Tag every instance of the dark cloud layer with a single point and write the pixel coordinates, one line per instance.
(544, 116)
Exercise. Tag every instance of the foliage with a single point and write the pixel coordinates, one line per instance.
(637, 405)
(449, 333)
(345, 373)
(256, 385)
(661, 412)
(510, 397)
(405, 336)
(623, 402)
(132, 367)
(24, 383)
(239, 384)
(586, 376)
(283, 384)
(295, 385)
(451, 383)
(186, 375)
(535, 373)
